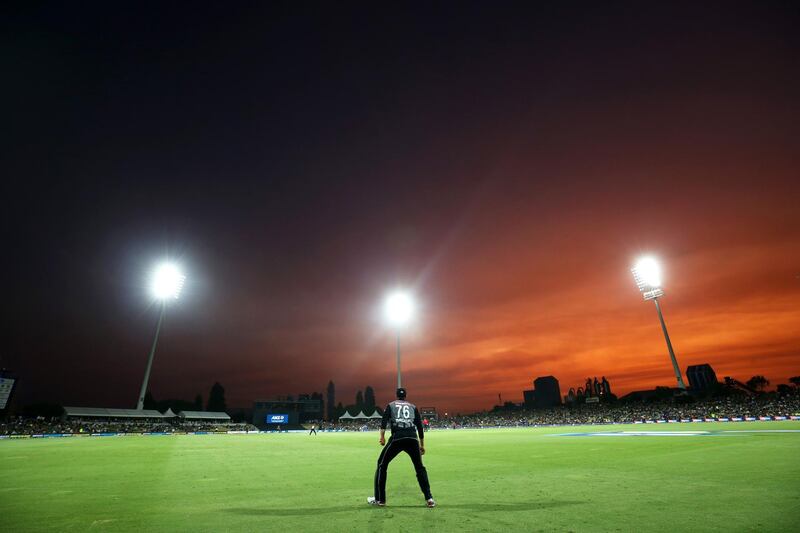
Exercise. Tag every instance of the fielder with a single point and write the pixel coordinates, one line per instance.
(406, 425)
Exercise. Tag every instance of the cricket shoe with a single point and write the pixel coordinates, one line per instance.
(430, 502)
(373, 501)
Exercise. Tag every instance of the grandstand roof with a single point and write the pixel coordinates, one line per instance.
(361, 415)
(376, 414)
(169, 413)
(204, 415)
(346, 415)
(102, 412)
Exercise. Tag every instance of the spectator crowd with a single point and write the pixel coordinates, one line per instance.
(619, 412)
(767, 405)
(43, 426)
(367, 424)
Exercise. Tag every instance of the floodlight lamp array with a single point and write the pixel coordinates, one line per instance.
(648, 290)
(167, 282)
(640, 282)
(653, 294)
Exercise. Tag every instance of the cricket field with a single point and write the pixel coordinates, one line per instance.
(654, 477)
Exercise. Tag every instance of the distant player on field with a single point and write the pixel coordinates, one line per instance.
(406, 425)
(313, 429)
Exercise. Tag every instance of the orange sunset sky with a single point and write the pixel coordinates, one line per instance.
(505, 163)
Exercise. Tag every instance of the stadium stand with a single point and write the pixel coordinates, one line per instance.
(730, 408)
(100, 412)
(770, 406)
(103, 421)
(365, 424)
(94, 426)
(204, 415)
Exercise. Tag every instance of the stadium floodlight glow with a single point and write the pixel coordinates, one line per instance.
(647, 274)
(398, 308)
(167, 282)
(165, 285)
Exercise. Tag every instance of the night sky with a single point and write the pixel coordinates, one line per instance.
(506, 162)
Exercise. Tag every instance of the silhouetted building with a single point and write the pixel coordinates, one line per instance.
(331, 405)
(529, 398)
(547, 392)
(588, 390)
(570, 397)
(640, 396)
(701, 377)
(594, 391)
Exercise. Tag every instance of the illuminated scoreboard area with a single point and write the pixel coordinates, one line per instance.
(288, 414)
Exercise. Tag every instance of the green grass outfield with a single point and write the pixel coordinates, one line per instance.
(483, 480)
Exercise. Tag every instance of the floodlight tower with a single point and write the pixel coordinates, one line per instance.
(398, 309)
(165, 285)
(647, 274)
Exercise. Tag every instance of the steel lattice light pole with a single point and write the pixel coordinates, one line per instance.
(165, 285)
(647, 274)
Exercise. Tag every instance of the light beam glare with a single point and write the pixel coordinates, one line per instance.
(167, 282)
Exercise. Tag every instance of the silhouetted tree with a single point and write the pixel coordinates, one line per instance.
(758, 383)
(795, 380)
(331, 415)
(339, 411)
(369, 400)
(359, 401)
(784, 389)
(198, 402)
(238, 416)
(216, 398)
(507, 406)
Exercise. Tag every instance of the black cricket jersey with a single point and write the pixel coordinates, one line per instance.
(404, 419)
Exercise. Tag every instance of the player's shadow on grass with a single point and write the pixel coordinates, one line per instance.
(474, 507)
